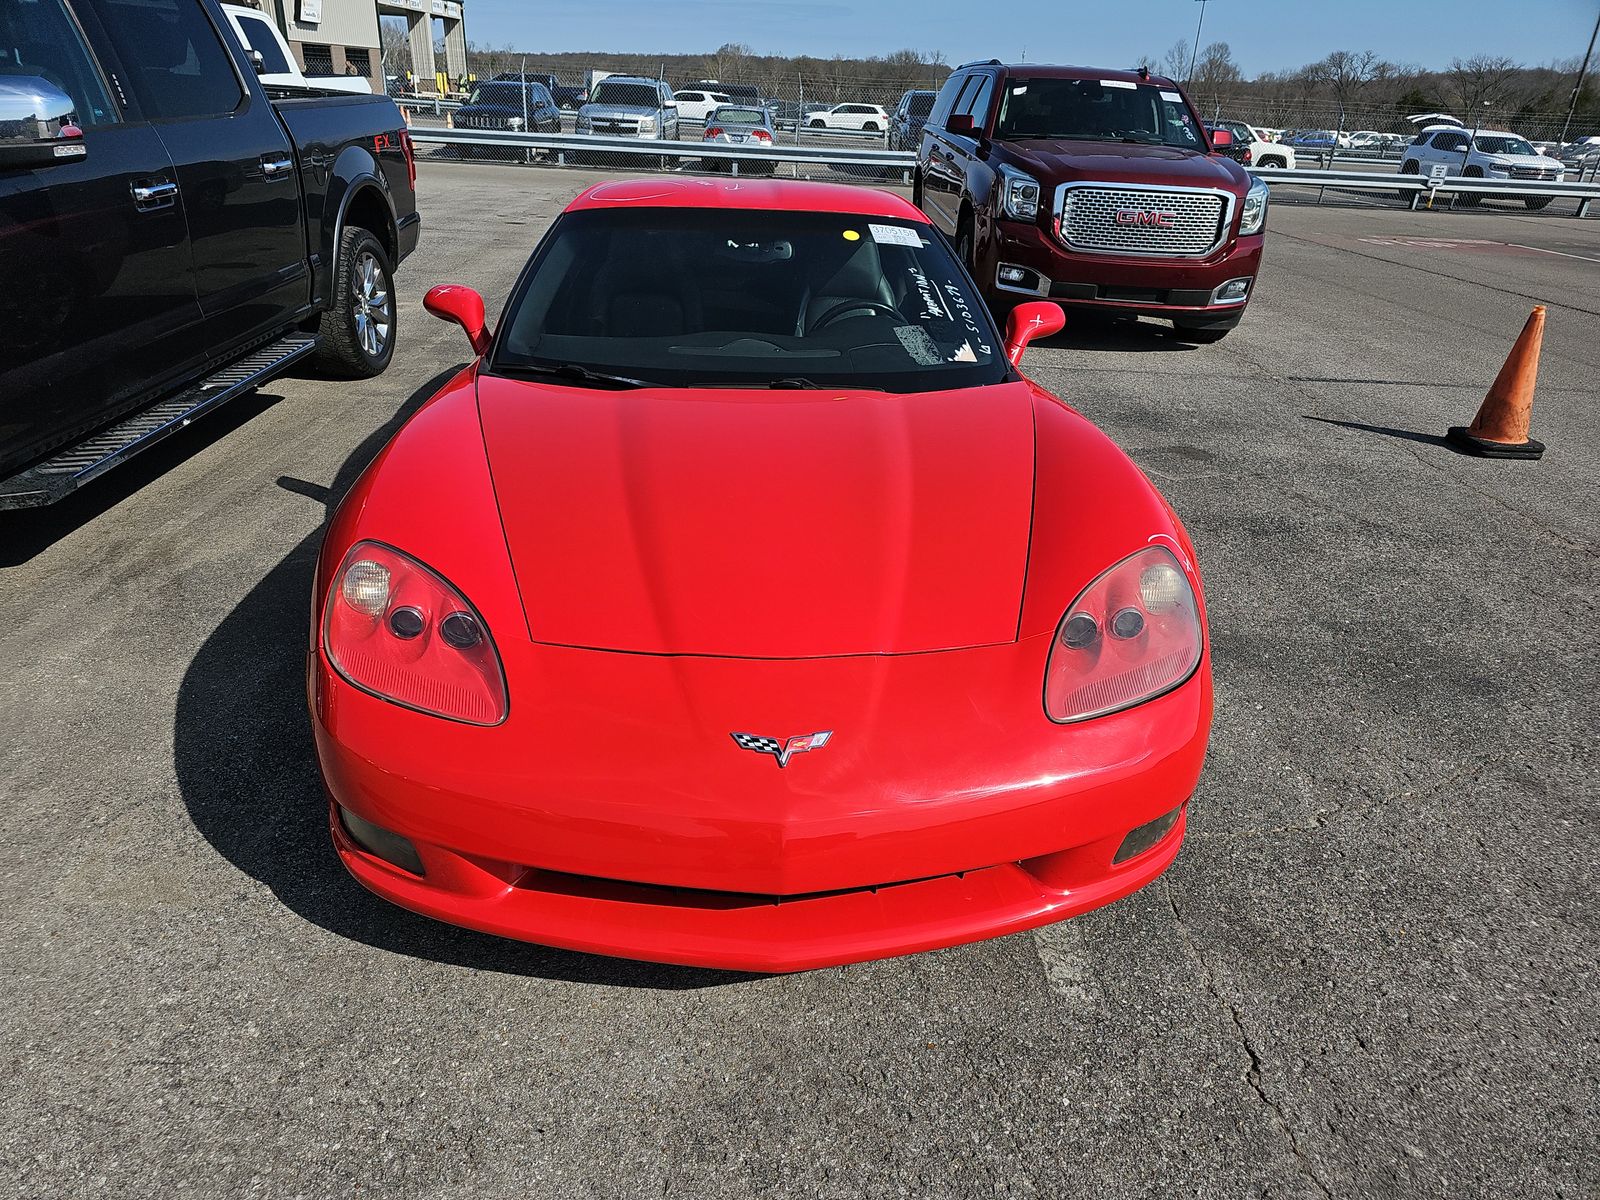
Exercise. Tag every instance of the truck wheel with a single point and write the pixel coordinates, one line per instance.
(357, 330)
(871, 127)
(964, 242)
(916, 189)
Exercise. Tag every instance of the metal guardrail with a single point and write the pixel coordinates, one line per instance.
(1419, 186)
(565, 145)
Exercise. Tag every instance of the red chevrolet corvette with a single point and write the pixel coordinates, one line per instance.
(742, 605)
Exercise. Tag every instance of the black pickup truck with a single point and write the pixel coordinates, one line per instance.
(172, 234)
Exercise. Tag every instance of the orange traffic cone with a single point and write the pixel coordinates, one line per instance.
(1500, 430)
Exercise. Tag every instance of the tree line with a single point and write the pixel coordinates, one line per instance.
(1355, 89)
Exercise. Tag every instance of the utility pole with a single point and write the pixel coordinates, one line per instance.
(1195, 50)
(1572, 105)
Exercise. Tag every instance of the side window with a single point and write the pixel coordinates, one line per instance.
(975, 100)
(176, 64)
(542, 97)
(258, 36)
(945, 100)
(39, 41)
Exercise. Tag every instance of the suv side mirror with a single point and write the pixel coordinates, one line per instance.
(961, 125)
(38, 125)
(1035, 319)
(452, 302)
(1221, 139)
(258, 61)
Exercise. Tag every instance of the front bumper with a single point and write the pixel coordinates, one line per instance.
(931, 818)
(1179, 288)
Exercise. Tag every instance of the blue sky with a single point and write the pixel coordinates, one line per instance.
(1265, 34)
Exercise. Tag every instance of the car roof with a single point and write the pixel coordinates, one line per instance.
(1062, 71)
(776, 195)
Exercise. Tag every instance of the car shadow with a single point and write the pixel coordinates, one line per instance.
(28, 532)
(1085, 332)
(246, 767)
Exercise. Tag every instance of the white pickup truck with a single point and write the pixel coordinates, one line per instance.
(274, 61)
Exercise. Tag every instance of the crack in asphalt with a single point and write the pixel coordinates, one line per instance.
(1252, 1075)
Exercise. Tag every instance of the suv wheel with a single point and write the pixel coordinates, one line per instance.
(964, 242)
(815, 125)
(1269, 161)
(1467, 200)
(357, 330)
(870, 127)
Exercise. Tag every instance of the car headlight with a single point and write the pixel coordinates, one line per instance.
(584, 125)
(1019, 194)
(1133, 634)
(394, 628)
(1254, 214)
(647, 124)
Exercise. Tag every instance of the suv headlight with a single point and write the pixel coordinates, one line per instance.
(584, 125)
(1254, 214)
(647, 124)
(1019, 194)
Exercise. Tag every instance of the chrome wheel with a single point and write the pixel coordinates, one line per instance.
(372, 306)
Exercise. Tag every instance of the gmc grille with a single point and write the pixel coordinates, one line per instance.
(1128, 220)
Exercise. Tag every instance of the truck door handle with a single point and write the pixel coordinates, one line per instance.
(276, 168)
(148, 196)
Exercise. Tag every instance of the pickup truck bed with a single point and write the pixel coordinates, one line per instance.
(201, 237)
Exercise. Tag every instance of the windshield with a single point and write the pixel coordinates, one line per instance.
(740, 116)
(636, 95)
(1504, 145)
(497, 94)
(1095, 110)
(919, 104)
(707, 297)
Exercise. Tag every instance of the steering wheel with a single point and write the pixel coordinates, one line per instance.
(835, 311)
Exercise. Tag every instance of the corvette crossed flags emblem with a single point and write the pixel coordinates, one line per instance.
(782, 749)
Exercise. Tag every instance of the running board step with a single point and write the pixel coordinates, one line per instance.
(73, 466)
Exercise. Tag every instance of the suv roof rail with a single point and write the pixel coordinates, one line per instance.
(981, 62)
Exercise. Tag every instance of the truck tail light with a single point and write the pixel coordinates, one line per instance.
(410, 152)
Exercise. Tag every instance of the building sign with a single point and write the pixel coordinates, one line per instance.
(438, 8)
(452, 10)
(310, 12)
(416, 5)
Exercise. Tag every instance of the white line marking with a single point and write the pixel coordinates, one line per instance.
(1562, 253)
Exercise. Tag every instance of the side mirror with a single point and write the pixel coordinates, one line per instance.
(961, 125)
(452, 302)
(258, 61)
(38, 124)
(1035, 319)
(1221, 139)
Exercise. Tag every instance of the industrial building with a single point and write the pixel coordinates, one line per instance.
(342, 37)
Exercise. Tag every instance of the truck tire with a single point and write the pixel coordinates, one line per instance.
(357, 330)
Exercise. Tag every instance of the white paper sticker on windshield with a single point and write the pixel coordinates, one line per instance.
(895, 235)
(1121, 83)
(1173, 96)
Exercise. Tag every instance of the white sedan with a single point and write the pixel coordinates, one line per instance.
(873, 118)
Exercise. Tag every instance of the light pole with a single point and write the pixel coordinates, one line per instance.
(1572, 105)
(1194, 52)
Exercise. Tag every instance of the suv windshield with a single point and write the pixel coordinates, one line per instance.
(634, 95)
(1095, 110)
(707, 297)
(1504, 145)
(498, 94)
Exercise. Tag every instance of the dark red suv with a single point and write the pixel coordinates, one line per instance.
(1094, 188)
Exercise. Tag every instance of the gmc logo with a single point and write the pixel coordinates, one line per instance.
(1139, 216)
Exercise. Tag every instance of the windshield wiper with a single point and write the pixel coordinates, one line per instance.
(577, 372)
(797, 381)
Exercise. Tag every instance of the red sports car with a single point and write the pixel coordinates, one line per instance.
(742, 605)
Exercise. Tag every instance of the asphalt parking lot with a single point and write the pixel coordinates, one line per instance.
(1369, 973)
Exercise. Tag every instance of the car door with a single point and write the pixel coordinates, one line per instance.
(942, 170)
(98, 304)
(235, 165)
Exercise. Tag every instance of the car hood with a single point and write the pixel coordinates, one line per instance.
(764, 524)
(1069, 160)
(1539, 161)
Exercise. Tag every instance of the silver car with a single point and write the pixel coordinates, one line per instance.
(740, 125)
(632, 107)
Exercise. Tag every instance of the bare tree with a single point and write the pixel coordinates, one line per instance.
(1346, 73)
(1215, 74)
(727, 64)
(1175, 62)
(1146, 63)
(1480, 79)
